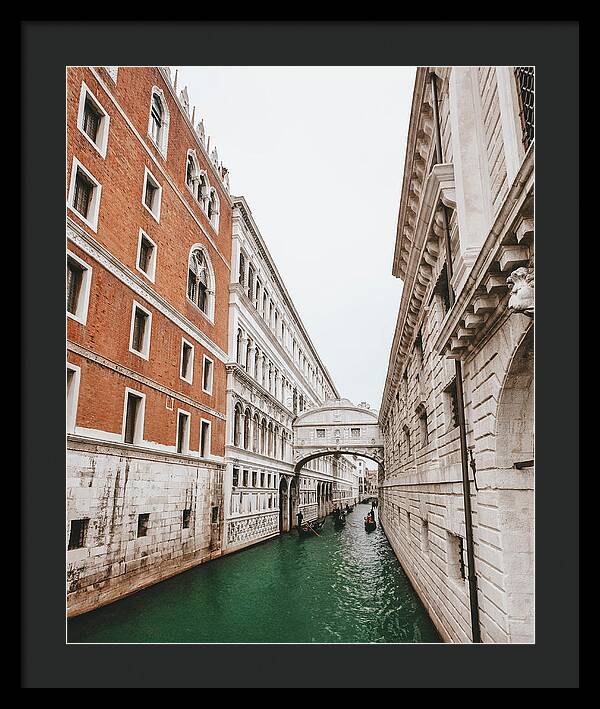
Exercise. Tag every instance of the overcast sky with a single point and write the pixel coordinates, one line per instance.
(318, 152)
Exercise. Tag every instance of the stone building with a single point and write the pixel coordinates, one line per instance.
(274, 375)
(462, 353)
(149, 224)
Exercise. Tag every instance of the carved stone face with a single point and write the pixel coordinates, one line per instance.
(521, 284)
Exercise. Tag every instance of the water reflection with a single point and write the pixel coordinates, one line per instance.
(344, 586)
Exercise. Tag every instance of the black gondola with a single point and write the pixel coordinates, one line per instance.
(370, 523)
(339, 521)
(311, 529)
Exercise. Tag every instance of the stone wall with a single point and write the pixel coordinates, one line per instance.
(111, 486)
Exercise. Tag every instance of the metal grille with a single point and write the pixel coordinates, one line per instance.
(525, 77)
(74, 279)
(78, 533)
(91, 120)
(83, 194)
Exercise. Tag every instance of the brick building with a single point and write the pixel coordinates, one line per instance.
(149, 233)
(464, 250)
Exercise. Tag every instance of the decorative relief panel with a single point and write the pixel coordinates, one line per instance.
(244, 530)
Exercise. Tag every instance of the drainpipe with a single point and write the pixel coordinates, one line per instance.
(475, 629)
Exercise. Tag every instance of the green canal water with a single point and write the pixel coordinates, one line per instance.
(343, 587)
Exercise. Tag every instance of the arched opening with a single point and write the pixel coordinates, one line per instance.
(283, 506)
(293, 506)
(515, 418)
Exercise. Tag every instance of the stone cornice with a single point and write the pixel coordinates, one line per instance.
(244, 209)
(507, 247)
(77, 442)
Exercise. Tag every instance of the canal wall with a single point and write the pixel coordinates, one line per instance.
(143, 517)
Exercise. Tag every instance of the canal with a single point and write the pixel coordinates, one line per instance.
(343, 587)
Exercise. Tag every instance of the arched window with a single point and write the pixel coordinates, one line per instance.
(237, 425)
(263, 437)
(275, 441)
(202, 190)
(407, 439)
(199, 289)
(213, 208)
(247, 417)
(270, 440)
(255, 434)
(190, 172)
(239, 340)
(248, 352)
(242, 269)
(158, 124)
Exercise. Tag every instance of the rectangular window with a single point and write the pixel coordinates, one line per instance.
(133, 418)
(254, 478)
(141, 321)
(84, 191)
(187, 515)
(269, 480)
(146, 260)
(236, 477)
(207, 375)
(214, 517)
(245, 480)
(451, 404)
(320, 433)
(152, 195)
(262, 479)
(74, 280)
(186, 371)
(79, 278)
(423, 428)
(183, 432)
(204, 438)
(142, 526)
(93, 120)
(78, 533)
(355, 432)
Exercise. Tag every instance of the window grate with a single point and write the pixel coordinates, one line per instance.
(78, 533)
(83, 194)
(74, 281)
(525, 76)
(145, 255)
(91, 120)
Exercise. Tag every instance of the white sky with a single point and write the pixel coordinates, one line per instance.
(318, 152)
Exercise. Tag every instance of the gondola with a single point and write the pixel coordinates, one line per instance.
(311, 529)
(370, 523)
(339, 521)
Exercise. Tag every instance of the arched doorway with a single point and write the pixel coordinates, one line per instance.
(283, 506)
(293, 504)
(515, 419)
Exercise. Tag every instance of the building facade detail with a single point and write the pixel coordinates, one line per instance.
(274, 374)
(475, 204)
(146, 366)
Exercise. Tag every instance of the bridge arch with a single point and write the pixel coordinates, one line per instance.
(337, 427)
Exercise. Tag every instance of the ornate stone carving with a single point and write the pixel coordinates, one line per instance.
(521, 284)
(201, 132)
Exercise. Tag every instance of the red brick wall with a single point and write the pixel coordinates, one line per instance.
(121, 214)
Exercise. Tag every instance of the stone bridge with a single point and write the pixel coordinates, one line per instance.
(337, 427)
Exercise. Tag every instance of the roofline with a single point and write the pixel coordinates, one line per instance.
(242, 204)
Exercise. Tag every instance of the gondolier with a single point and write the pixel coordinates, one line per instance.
(300, 517)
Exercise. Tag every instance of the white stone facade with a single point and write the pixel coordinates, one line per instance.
(274, 374)
(482, 187)
(112, 486)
